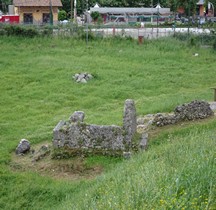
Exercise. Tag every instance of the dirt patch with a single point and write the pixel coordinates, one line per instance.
(70, 169)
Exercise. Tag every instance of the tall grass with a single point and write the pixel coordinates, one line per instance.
(37, 91)
(178, 174)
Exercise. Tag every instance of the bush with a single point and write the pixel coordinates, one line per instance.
(95, 15)
(194, 41)
(62, 15)
(16, 30)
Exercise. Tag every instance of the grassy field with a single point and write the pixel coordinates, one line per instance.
(37, 91)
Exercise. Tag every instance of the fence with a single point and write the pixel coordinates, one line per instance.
(203, 35)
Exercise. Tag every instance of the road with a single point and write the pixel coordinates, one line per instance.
(148, 33)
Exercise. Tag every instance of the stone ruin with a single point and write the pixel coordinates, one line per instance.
(189, 111)
(78, 136)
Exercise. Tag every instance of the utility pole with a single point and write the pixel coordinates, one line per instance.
(151, 11)
(158, 6)
(175, 8)
(51, 13)
(71, 16)
(189, 18)
(75, 11)
(87, 23)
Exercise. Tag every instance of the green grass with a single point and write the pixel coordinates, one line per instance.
(37, 91)
(178, 174)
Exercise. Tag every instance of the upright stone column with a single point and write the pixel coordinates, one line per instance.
(129, 121)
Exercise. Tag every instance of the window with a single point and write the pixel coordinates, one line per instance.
(28, 18)
(46, 17)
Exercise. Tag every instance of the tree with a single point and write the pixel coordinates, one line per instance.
(189, 5)
(62, 15)
(95, 16)
(4, 5)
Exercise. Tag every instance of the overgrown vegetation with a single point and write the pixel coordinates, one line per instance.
(37, 91)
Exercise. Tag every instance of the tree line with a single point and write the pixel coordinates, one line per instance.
(190, 6)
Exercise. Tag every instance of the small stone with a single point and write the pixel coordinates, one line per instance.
(140, 121)
(42, 152)
(23, 147)
(76, 76)
(83, 80)
(77, 116)
(127, 155)
(90, 76)
(78, 79)
(141, 128)
(144, 141)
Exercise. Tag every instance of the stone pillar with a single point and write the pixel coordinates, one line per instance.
(129, 121)
(58, 136)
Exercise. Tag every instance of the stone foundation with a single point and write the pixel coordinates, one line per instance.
(77, 135)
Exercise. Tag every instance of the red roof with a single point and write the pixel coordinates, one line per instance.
(37, 3)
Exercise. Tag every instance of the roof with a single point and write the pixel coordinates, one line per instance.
(37, 3)
(129, 10)
(200, 2)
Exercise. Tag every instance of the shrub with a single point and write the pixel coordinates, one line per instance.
(193, 41)
(16, 30)
(62, 15)
(95, 15)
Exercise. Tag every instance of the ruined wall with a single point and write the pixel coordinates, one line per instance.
(84, 136)
(189, 111)
(76, 134)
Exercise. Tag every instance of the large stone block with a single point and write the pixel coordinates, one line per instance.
(129, 120)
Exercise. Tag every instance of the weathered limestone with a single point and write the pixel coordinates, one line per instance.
(144, 141)
(58, 136)
(76, 134)
(77, 116)
(193, 110)
(91, 136)
(188, 111)
(129, 121)
(23, 147)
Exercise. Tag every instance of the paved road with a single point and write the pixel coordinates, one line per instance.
(147, 32)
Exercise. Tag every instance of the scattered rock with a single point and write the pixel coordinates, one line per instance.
(194, 110)
(23, 147)
(191, 111)
(82, 77)
(127, 155)
(164, 119)
(142, 128)
(42, 152)
(144, 141)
